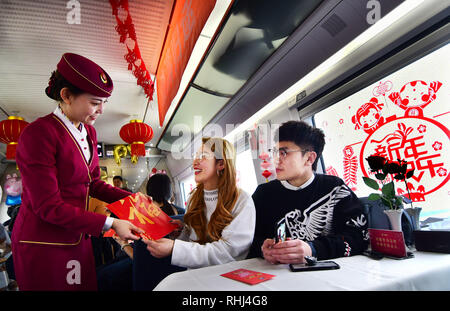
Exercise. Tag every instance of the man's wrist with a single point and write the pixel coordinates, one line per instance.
(313, 249)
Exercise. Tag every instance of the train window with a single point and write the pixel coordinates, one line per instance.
(245, 172)
(186, 186)
(405, 116)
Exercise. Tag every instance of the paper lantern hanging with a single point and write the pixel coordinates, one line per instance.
(266, 174)
(136, 133)
(156, 171)
(265, 165)
(264, 156)
(10, 130)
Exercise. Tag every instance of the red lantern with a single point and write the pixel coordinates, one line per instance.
(265, 165)
(266, 174)
(136, 133)
(10, 131)
(264, 156)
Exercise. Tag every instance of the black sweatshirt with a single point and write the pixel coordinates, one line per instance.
(326, 213)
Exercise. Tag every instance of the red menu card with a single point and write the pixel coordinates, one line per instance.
(140, 211)
(248, 276)
(388, 242)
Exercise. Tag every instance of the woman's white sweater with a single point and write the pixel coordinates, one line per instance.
(234, 244)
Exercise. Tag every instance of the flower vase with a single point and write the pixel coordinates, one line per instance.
(415, 215)
(395, 218)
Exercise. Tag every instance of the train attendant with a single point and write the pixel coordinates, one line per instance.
(57, 158)
(220, 218)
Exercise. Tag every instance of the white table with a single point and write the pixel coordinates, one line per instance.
(427, 271)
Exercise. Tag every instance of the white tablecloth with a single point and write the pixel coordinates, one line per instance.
(427, 271)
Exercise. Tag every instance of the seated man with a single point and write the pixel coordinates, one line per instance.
(118, 183)
(322, 216)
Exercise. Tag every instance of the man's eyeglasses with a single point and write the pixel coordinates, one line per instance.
(283, 152)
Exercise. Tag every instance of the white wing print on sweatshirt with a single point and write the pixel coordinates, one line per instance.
(317, 218)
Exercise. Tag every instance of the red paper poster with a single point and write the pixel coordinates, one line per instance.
(139, 210)
(186, 24)
(387, 242)
(248, 276)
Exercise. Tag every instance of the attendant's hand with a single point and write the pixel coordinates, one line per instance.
(124, 229)
(160, 248)
(267, 251)
(291, 251)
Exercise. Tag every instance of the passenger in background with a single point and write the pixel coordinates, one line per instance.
(220, 218)
(117, 274)
(104, 248)
(159, 187)
(322, 216)
(118, 182)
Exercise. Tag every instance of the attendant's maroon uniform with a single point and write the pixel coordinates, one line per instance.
(53, 225)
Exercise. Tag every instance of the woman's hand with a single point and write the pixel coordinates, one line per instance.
(119, 240)
(124, 229)
(160, 248)
(176, 233)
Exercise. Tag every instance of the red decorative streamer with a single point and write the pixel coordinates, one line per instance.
(125, 28)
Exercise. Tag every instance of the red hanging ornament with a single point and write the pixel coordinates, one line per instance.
(266, 174)
(136, 133)
(10, 130)
(265, 165)
(126, 30)
(264, 156)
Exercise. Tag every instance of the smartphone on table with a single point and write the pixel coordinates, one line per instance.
(320, 265)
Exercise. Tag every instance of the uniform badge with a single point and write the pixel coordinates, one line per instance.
(103, 77)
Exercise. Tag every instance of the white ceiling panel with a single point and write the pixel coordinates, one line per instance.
(34, 35)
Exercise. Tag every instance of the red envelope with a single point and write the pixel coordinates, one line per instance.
(248, 276)
(139, 210)
(109, 233)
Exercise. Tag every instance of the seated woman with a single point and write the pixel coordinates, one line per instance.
(220, 218)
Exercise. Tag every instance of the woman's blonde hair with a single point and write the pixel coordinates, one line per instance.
(228, 194)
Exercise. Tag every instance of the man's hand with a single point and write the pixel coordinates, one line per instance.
(124, 229)
(290, 251)
(267, 251)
